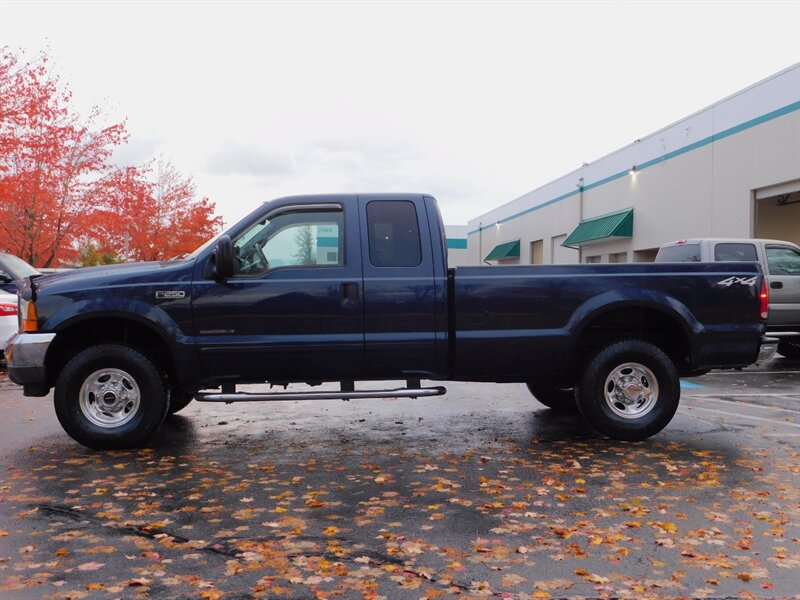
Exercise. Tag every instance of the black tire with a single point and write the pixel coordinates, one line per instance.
(556, 398)
(790, 349)
(178, 400)
(110, 397)
(648, 402)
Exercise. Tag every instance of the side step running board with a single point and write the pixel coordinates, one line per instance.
(328, 395)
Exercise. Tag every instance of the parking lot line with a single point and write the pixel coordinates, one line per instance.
(753, 404)
(689, 385)
(740, 373)
(743, 395)
(741, 416)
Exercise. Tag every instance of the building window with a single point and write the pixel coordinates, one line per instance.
(618, 257)
(593, 259)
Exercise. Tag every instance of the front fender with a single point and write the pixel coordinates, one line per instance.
(158, 319)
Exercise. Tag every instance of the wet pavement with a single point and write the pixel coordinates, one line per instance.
(480, 493)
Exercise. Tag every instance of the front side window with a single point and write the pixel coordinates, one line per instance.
(783, 260)
(732, 252)
(291, 239)
(393, 234)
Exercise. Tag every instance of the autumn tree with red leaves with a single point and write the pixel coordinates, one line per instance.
(60, 194)
(152, 213)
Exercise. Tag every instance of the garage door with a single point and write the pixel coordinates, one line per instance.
(777, 212)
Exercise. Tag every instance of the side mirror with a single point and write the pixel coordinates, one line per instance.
(224, 257)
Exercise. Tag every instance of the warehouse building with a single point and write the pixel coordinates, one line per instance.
(730, 170)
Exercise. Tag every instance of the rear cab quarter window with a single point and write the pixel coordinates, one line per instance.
(735, 252)
(394, 238)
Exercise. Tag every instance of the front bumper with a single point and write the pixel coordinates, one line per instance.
(769, 346)
(25, 355)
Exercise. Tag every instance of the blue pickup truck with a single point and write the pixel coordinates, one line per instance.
(353, 288)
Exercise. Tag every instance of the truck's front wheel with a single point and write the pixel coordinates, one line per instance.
(110, 397)
(629, 391)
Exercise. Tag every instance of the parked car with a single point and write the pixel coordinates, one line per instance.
(780, 262)
(351, 288)
(12, 270)
(8, 317)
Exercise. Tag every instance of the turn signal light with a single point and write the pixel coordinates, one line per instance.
(763, 299)
(30, 318)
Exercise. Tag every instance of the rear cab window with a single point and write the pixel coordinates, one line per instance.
(735, 252)
(394, 239)
(679, 253)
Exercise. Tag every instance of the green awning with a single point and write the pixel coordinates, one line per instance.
(503, 251)
(618, 224)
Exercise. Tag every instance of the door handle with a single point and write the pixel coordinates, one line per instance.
(776, 285)
(348, 292)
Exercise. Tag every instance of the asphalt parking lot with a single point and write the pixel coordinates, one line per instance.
(480, 493)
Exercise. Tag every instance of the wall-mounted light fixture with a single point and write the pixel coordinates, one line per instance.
(497, 225)
(633, 171)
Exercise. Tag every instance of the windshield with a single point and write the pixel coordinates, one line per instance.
(17, 267)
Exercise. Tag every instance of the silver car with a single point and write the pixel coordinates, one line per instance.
(780, 262)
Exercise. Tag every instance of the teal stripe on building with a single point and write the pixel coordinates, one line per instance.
(457, 243)
(775, 114)
(327, 242)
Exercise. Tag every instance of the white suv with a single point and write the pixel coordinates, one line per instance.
(8, 317)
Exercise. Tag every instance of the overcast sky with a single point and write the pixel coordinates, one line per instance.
(475, 103)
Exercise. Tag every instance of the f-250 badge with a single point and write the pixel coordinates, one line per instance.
(170, 294)
(737, 281)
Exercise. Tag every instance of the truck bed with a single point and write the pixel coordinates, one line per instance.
(514, 322)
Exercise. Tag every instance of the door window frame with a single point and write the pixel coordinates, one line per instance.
(298, 208)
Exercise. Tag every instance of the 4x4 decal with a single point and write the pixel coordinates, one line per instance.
(737, 281)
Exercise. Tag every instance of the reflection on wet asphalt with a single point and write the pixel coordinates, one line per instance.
(479, 493)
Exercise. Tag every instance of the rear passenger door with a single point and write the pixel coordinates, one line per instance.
(399, 289)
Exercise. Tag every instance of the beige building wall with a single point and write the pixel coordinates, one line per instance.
(697, 178)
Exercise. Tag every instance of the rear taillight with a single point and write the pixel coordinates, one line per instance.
(763, 301)
(8, 310)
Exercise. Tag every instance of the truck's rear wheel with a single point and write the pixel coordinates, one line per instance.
(110, 397)
(629, 391)
(557, 398)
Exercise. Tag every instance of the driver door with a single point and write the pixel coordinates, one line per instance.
(293, 310)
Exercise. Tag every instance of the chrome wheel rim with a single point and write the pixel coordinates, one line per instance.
(631, 391)
(109, 398)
